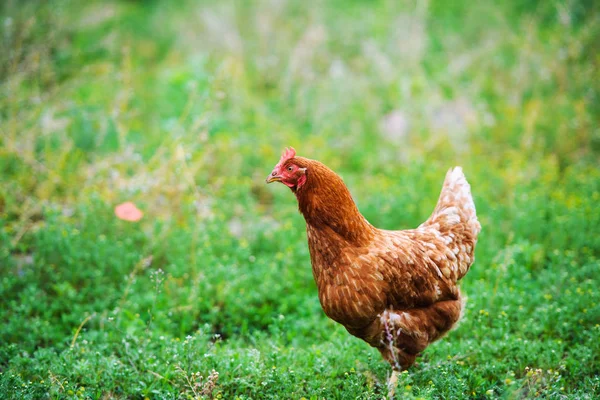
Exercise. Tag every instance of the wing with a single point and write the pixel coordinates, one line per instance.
(418, 267)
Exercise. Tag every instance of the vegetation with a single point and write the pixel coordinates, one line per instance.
(183, 108)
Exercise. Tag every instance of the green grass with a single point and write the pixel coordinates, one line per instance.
(184, 109)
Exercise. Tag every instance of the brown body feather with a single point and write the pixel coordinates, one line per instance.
(397, 290)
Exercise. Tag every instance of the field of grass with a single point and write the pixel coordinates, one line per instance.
(184, 107)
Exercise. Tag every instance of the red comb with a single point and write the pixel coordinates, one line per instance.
(287, 154)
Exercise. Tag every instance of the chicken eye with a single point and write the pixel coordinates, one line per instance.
(290, 168)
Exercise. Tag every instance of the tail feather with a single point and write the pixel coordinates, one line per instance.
(455, 205)
(455, 218)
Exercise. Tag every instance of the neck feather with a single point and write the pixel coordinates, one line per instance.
(326, 202)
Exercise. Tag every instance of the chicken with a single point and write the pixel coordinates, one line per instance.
(396, 290)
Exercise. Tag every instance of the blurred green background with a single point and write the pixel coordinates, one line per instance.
(184, 107)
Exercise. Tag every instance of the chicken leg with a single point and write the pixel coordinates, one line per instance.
(392, 384)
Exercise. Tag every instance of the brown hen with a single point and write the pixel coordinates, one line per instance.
(396, 290)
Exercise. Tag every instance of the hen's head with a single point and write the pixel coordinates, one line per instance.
(290, 170)
(323, 198)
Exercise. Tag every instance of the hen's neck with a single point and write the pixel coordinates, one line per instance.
(326, 204)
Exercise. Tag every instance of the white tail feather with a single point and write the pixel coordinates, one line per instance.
(455, 205)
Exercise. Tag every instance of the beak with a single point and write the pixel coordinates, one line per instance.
(273, 178)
